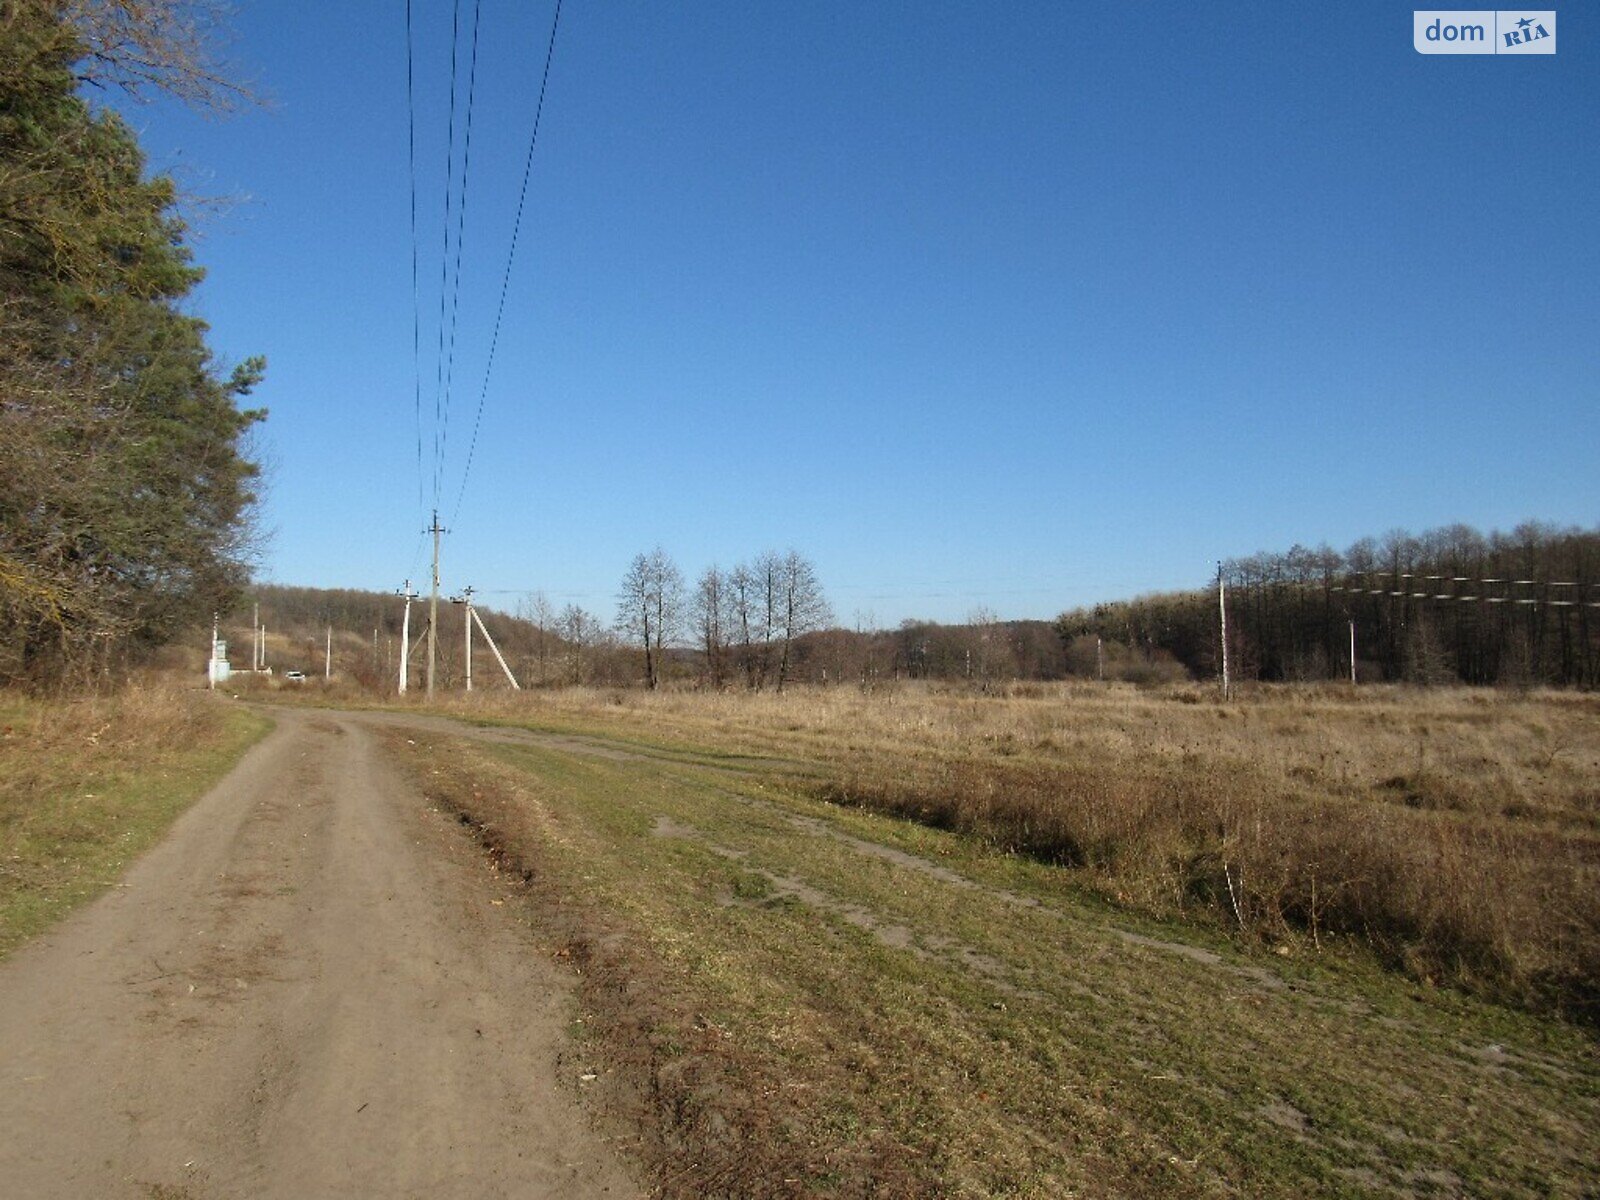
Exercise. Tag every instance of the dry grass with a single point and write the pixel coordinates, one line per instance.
(1455, 832)
(88, 784)
(784, 997)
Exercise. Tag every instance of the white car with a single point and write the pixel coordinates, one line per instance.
(295, 676)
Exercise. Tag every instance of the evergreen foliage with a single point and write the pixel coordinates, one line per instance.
(125, 489)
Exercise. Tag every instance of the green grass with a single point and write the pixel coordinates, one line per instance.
(86, 787)
(868, 1006)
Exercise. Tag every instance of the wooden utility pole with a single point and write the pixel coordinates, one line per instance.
(405, 636)
(433, 605)
(1222, 603)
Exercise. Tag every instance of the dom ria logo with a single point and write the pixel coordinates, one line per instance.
(1484, 31)
(1526, 33)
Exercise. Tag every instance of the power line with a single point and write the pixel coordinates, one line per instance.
(1405, 585)
(1396, 586)
(444, 260)
(505, 281)
(461, 223)
(416, 293)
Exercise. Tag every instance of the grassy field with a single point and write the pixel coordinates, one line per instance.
(87, 785)
(791, 995)
(1454, 833)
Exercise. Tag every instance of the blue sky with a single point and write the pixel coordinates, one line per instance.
(1015, 305)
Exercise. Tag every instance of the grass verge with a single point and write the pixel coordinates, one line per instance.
(88, 785)
(792, 998)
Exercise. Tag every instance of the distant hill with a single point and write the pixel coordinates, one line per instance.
(366, 629)
(573, 647)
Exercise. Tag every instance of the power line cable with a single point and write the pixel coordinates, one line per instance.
(416, 293)
(505, 281)
(461, 223)
(444, 261)
(1404, 585)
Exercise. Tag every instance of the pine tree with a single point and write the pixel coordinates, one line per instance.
(125, 491)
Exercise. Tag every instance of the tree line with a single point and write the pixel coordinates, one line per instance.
(1449, 605)
(125, 481)
(761, 624)
(766, 623)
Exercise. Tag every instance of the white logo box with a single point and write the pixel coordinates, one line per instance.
(1484, 31)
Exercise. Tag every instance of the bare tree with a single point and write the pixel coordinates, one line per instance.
(750, 625)
(801, 608)
(536, 609)
(713, 615)
(986, 646)
(650, 607)
(580, 631)
(144, 46)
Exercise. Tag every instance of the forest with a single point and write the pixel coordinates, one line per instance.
(1452, 605)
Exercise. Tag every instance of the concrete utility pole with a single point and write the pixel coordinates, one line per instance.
(255, 638)
(1352, 653)
(405, 636)
(327, 662)
(498, 657)
(211, 667)
(433, 604)
(1222, 603)
(467, 600)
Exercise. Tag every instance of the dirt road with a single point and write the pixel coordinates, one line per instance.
(306, 991)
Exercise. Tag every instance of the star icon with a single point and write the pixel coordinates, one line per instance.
(1524, 23)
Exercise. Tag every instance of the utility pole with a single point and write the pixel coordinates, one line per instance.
(211, 667)
(327, 662)
(255, 638)
(1352, 653)
(433, 604)
(467, 601)
(1222, 603)
(1099, 658)
(405, 636)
